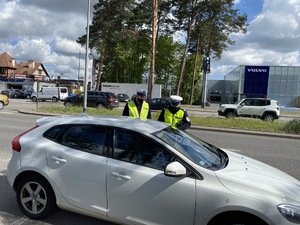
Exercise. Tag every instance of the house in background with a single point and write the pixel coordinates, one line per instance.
(7, 65)
(15, 75)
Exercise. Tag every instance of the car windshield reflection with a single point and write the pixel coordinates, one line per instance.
(198, 151)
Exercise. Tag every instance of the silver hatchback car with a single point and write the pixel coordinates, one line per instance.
(131, 171)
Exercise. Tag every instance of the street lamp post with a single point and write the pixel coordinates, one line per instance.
(78, 84)
(86, 58)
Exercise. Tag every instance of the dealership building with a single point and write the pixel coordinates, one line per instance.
(281, 83)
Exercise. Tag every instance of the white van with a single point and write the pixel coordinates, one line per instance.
(50, 93)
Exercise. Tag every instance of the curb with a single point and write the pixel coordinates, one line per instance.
(246, 132)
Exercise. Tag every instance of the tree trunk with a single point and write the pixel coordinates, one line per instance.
(153, 48)
(194, 71)
(100, 65)
(183, 61)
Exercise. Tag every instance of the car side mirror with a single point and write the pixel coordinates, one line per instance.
(243, 104)
(175, 169)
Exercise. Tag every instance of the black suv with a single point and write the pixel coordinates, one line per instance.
(95, 99)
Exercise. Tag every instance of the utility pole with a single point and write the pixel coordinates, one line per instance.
(206, 69)
(78, 84)
(86, 58)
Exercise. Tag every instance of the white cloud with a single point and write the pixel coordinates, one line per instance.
(273, 38)
(47, 31)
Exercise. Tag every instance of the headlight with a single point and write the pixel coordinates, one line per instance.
(290, 212)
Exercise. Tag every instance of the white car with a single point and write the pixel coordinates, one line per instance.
(131, 171)
(262, 108)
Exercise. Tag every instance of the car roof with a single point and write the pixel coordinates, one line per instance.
(135, 124)
(258, 98)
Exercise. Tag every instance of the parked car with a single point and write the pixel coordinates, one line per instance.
(131, 171)
(26, 93)
(16, 93)
(158, 103)
(3, 101)
(50, 93)
(96, 99)
(123, 97)
(7, 92)
(265, 109)
(133, 97)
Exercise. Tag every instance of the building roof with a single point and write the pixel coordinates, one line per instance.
(29, 67)
(7, 61)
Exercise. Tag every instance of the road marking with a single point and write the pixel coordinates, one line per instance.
(233, 150)
(7, 113)
(20, 221)
(6, 218)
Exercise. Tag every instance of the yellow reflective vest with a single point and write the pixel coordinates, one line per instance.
(173, 119)
(133, 112)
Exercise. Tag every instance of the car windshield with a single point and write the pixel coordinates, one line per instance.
(200, 152)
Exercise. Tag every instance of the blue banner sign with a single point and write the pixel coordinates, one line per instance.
(256, 80)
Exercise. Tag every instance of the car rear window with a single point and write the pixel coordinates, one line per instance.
(111, 95)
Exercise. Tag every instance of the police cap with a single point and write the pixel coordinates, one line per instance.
(141, 92)
(175, 99)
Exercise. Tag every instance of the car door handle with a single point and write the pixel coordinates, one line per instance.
(58, 160)
(121, 176)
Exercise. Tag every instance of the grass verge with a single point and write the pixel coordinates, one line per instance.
(237, 123)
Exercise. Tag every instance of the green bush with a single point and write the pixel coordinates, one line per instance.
(292, 127)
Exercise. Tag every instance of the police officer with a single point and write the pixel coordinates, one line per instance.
(174, 115)
(138, 107)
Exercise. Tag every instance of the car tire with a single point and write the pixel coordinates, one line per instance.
(1, 105)
(230, 114)
(35, 197)
(34, 99)
(68, 104)
(100, 106)
(54, 99)
(27, 97)
(269, 117)
(15, 96)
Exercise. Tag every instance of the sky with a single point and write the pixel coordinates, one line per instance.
(46, 31)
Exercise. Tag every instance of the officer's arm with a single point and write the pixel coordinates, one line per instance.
(149, 113)
(126, 110)
(162, 116)
(185, 123)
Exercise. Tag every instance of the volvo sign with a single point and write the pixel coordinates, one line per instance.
(256, 81)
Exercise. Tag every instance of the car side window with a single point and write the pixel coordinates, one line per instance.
(260, 102)
(87, 138)
(53, 132)
(135, 148)
(248, 102)
(102, 95)
(163, 101)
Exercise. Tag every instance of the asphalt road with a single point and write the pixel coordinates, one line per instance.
(282, 153)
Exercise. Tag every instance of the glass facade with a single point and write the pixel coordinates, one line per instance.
(281, 83)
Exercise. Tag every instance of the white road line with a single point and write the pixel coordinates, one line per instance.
(6, 113)
(233, 150)
(19, 221)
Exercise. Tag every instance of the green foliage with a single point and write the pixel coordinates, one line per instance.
(167, 61)
(187, 85)
(292, 127)
(121, 35)
(244, 124)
